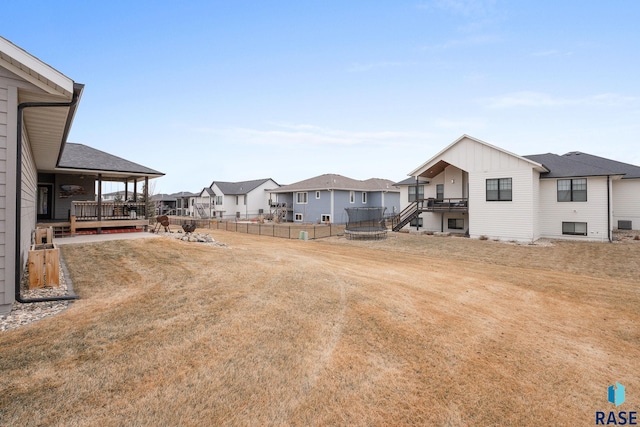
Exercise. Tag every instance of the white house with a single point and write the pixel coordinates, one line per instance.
(476, 188)
(242, 200)
(202, 204)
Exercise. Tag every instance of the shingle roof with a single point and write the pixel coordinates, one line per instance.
(239, 188)
(337, 182)
(182, 194)
(80, 156)
(581, 164)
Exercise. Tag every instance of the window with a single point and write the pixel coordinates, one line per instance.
(499, 189)
(244, 200)
(574, 228)
(416, 222)
(439, 191)
(455, 223)
(352, 197)
(317, 194)
(237, 199)
(412, 193)
(218, 200)
(364, 198)
(572, 190)
(302, 198)
(298, 216)
(325, 218)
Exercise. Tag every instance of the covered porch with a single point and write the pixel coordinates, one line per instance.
(70, 198)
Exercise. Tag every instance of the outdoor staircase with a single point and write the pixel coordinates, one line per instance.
(201, 211)
(408, 214)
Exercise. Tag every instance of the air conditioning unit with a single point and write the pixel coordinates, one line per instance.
(624, 225)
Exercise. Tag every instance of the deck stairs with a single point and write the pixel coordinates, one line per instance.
(408, 214)
(202, 212)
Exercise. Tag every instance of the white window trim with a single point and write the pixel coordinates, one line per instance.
(364, 197)
(317, 194)
(306, 198)
(325, 218)
(298, 217)
(352, 196)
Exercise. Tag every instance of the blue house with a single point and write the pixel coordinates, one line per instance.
(323, 199)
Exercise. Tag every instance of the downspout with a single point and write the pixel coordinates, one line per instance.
(18, 261)
(609, 209)
(417, 192)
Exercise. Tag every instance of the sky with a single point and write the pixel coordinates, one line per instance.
(239, 90)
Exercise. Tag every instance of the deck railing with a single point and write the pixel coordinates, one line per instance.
(450, 204)
(90, 211)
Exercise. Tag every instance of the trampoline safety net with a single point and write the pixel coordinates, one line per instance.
(366, 223)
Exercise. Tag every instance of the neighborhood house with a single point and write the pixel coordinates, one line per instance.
(478, 189)
(324, 198)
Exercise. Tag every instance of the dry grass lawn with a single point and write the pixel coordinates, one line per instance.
(410, 330)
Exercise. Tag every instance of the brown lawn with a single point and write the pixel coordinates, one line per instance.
(412, 330)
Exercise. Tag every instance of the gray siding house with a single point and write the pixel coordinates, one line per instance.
(41, 174)
(323, 199)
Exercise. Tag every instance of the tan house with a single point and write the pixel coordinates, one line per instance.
(42, 176)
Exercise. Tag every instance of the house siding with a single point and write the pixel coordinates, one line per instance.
(258, 198)
(512, 220)
(313, 210)
(505, 220)
(593, 211)
(535, 208)
(28, 198)
(62, 204)
(626, 203)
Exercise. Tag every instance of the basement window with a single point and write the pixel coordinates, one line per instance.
(455, 223)
(416, 222)
(298, 217)
(574, 228)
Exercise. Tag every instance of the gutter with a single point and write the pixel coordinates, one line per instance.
(18, 262)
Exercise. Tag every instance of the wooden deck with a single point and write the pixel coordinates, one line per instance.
(74, 226)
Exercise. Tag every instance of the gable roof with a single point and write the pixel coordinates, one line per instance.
(47, 128)
(31, 69)
(576, 163)
(337, 182)
(80, 157)
(239, 188)
(207, 190)
(438, 164)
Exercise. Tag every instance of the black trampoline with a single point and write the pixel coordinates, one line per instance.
(366, 223)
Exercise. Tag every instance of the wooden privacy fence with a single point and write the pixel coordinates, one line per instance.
(286, 231)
